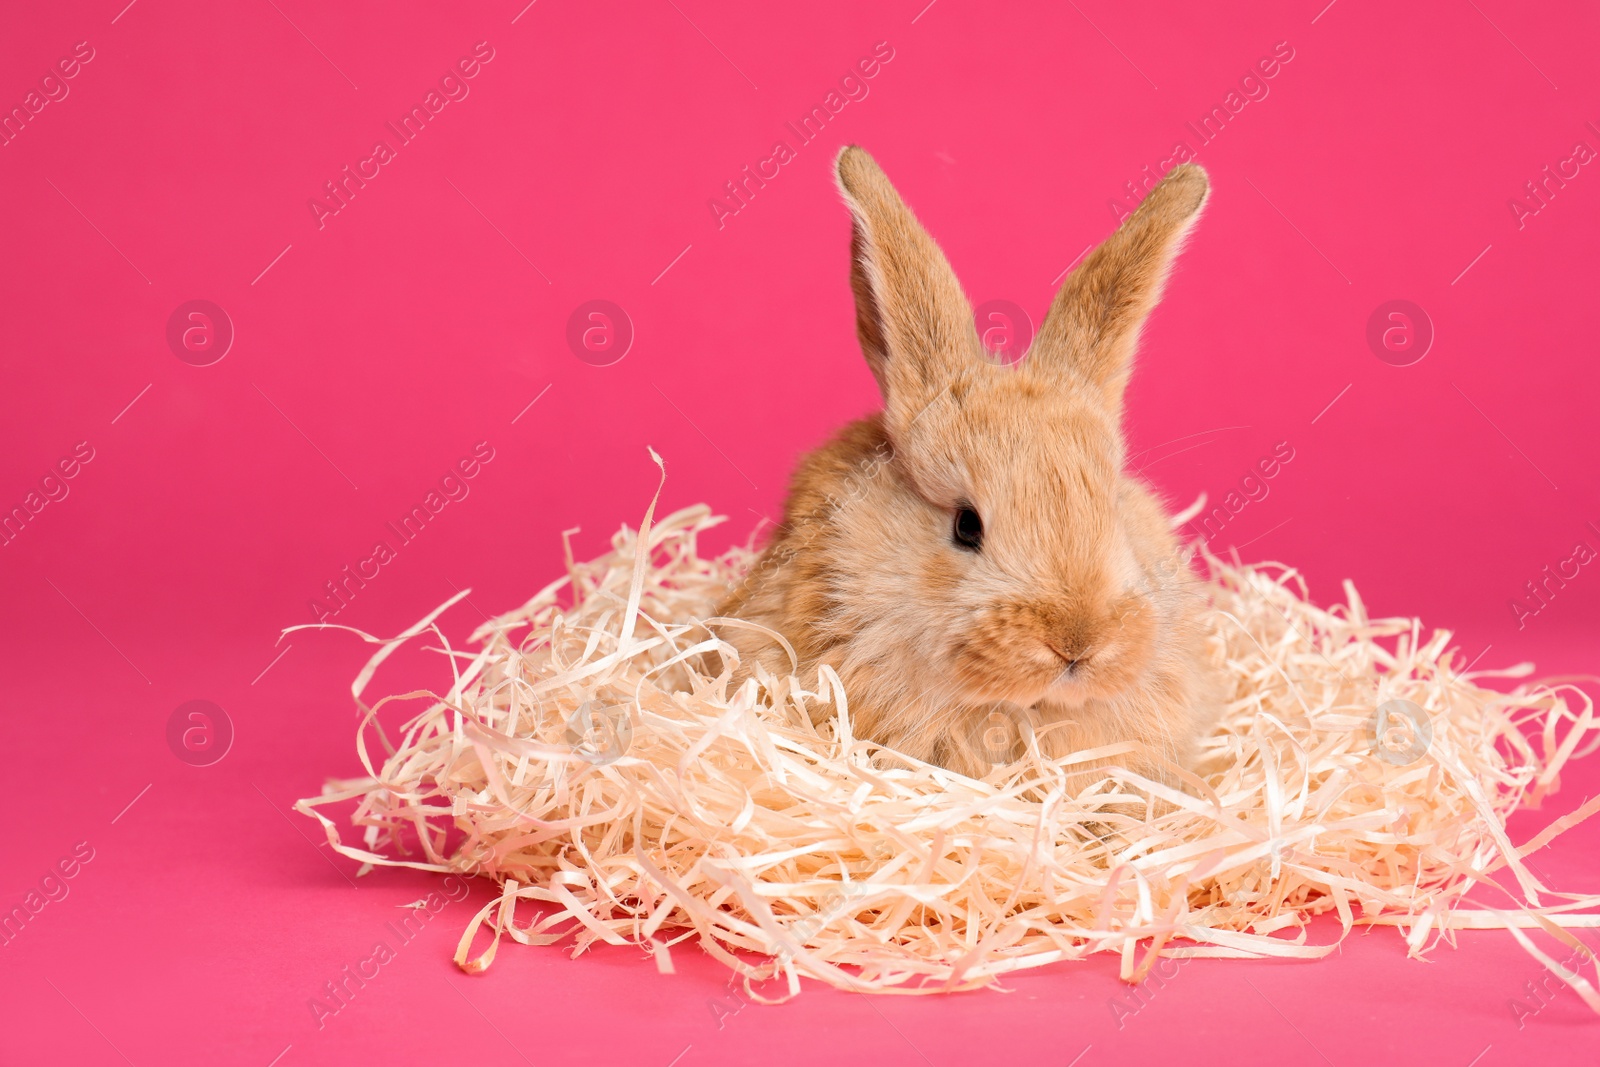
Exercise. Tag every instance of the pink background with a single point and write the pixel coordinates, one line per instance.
(373, 353)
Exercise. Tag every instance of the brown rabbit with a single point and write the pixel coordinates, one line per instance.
(974, 561)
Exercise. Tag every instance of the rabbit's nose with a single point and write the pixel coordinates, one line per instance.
(1070, 655)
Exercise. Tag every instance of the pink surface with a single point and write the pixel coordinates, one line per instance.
(374, 348)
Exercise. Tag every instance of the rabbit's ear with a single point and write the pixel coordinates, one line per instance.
(1093, 324)
(915, 323)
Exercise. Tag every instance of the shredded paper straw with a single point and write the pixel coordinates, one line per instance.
(586, 760)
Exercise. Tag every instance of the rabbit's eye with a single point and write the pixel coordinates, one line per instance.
(968, 532)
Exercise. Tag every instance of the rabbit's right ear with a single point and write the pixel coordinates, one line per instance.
(915, 324)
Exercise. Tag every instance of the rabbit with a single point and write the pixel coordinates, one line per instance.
(974, 561)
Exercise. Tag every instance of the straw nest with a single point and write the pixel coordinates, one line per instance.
(583, 759)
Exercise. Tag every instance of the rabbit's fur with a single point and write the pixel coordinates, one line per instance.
(1076, 617)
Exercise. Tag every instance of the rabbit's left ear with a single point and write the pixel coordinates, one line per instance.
(1093, 325)
(915, 323)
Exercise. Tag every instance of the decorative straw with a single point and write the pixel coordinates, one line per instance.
(585, 761)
